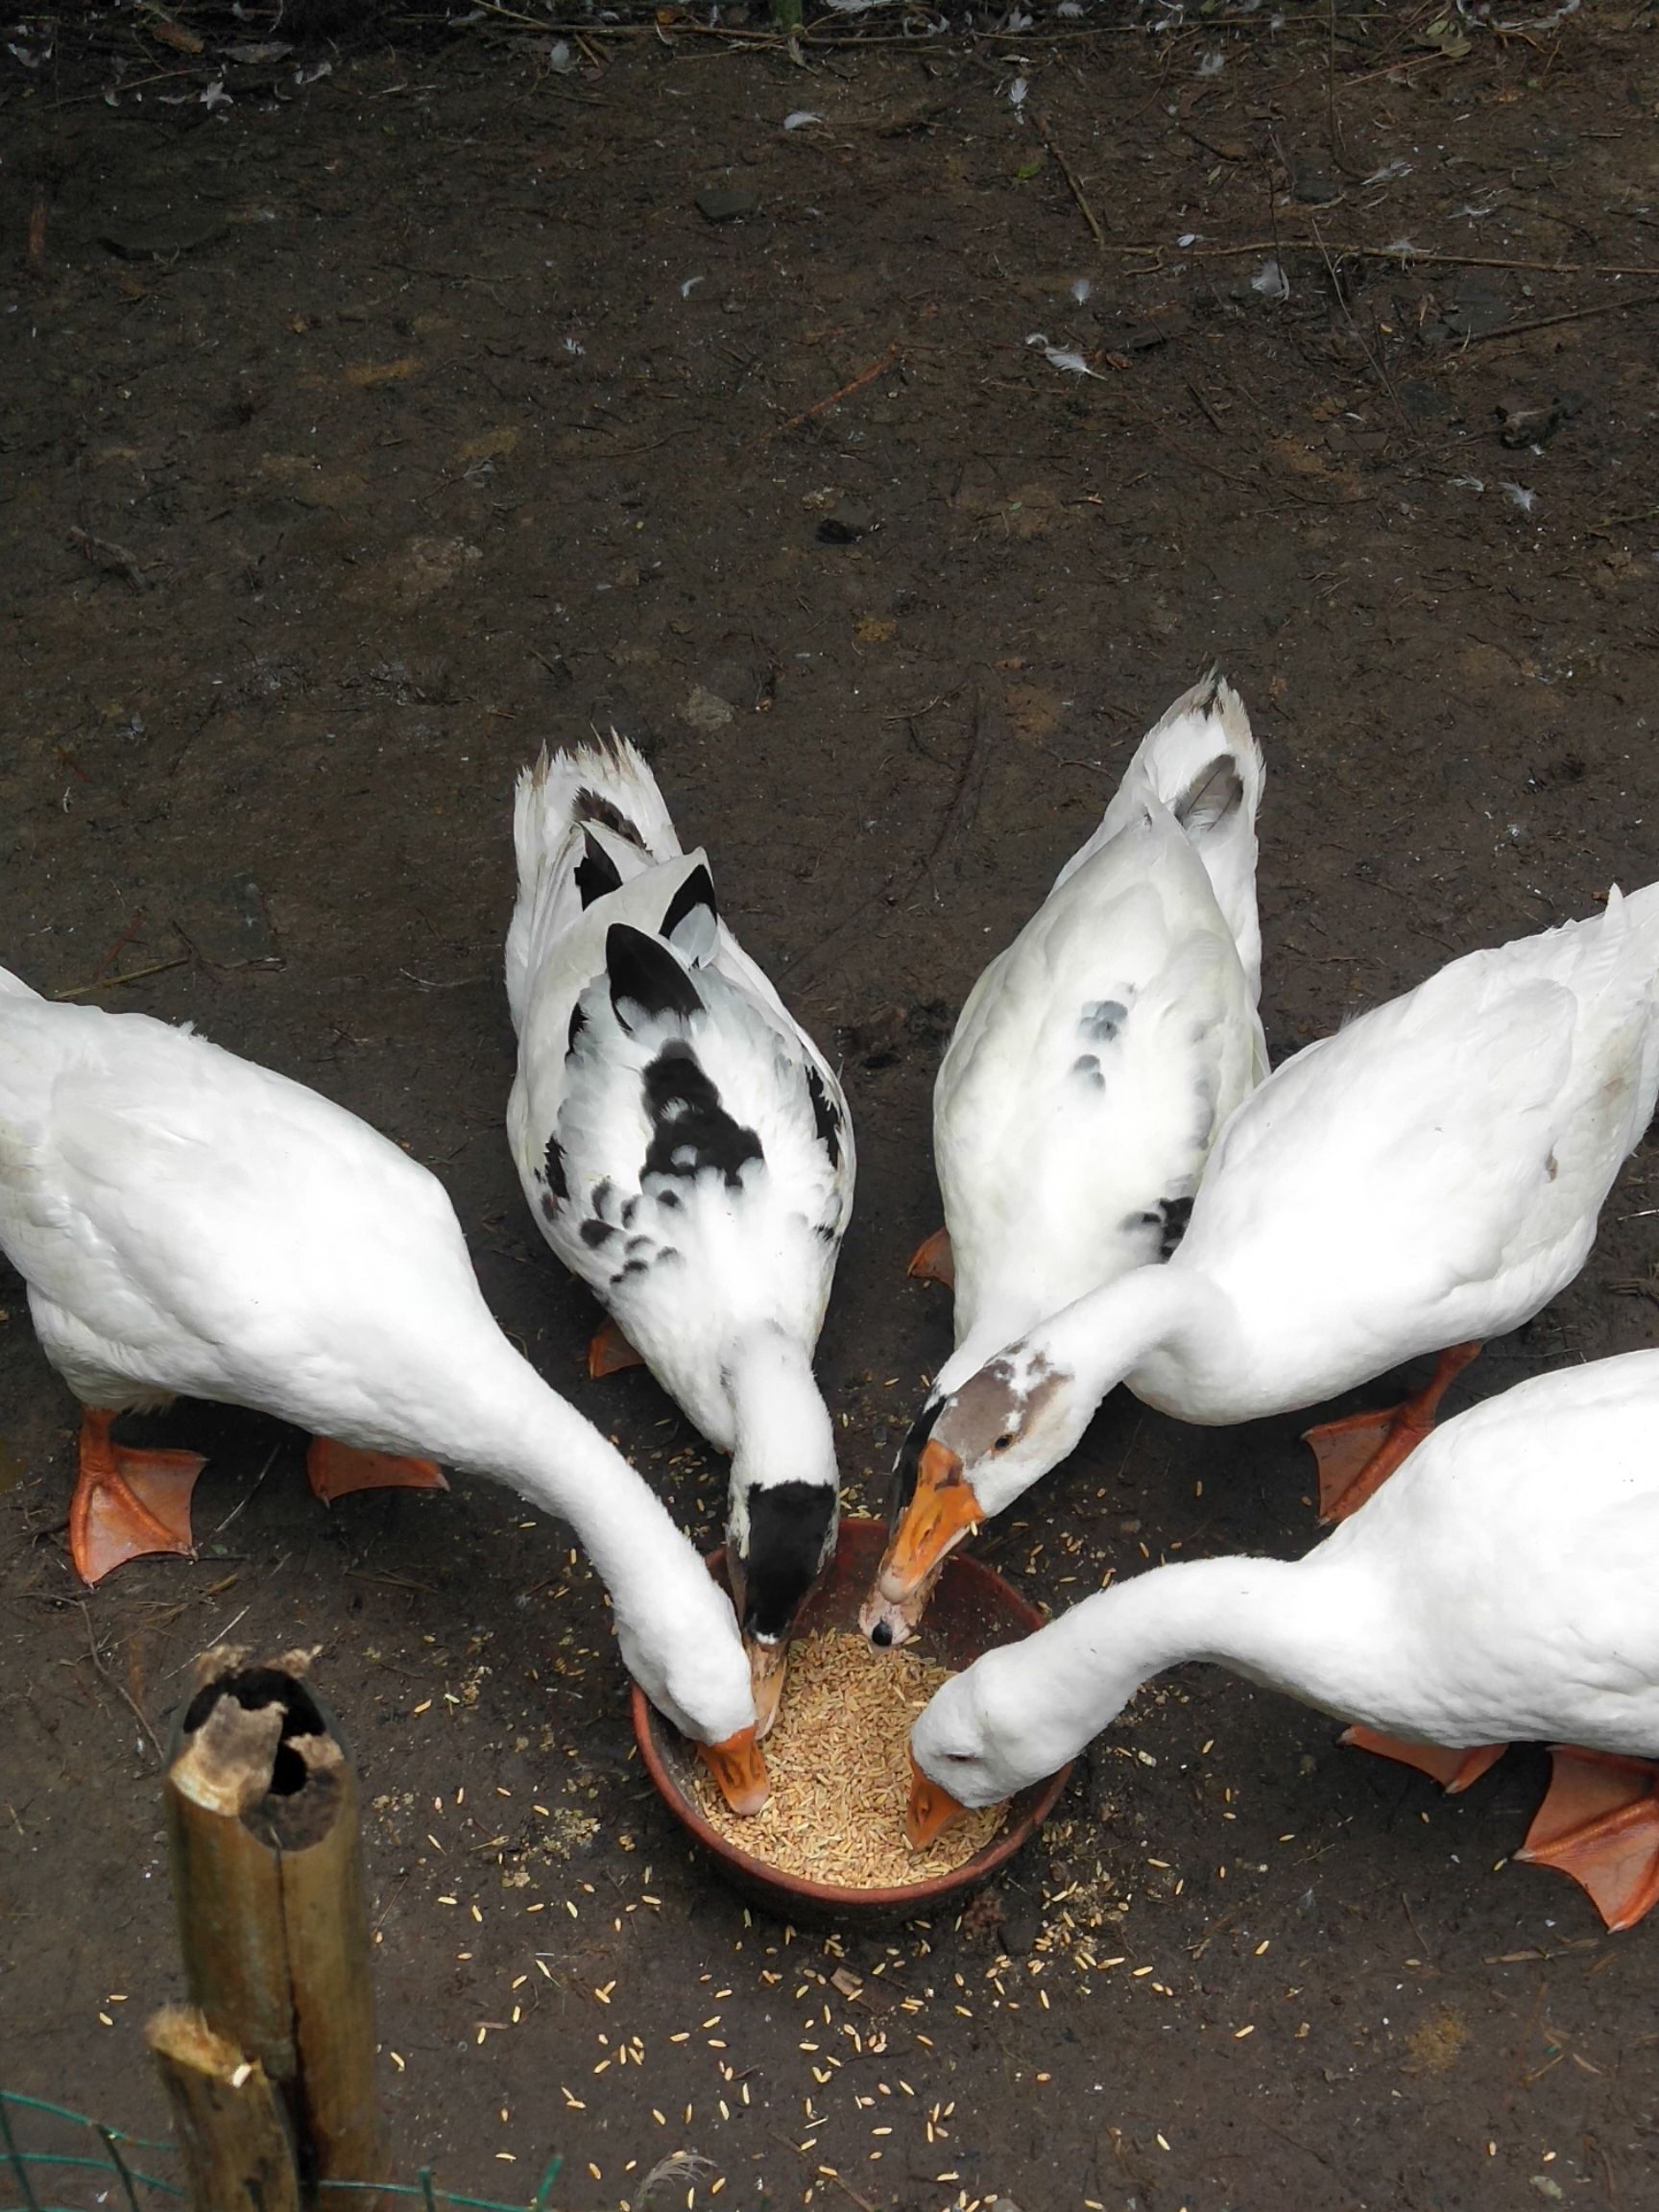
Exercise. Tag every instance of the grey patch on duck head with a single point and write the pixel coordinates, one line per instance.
(987, 1416)
(1101, 1019)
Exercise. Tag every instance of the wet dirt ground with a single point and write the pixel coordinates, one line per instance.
(366, 428)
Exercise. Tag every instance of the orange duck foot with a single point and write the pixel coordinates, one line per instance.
(1599, 1822)
(129, 1502)
(932, 1261)
(335, 1469)
(1453, 1770)
(1356, 1457)
(609, 1351)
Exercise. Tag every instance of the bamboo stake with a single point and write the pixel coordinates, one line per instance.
(231, 2127)
(263, 1822)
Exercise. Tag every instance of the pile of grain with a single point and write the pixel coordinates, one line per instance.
(840, 1768)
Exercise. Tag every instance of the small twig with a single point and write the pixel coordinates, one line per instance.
(120, 1689)
(1422, 1943)
(1381, 374)
(888, 360)
(270, 1462)
(1551, 322)
(1405, 253)
(114, 560)
(117, 948)
(132, 975)
(35, 248)
(1066, 170)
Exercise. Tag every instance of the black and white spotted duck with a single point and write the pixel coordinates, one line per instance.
(687, 1151)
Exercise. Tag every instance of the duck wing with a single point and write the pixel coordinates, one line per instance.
(1093, 1064)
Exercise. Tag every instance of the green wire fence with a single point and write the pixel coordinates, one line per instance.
(114, 2180)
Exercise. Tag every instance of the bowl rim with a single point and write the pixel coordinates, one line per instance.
(910, 1897)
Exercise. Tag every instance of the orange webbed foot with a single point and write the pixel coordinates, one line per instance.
(129, 1503)
(932, 1261)
(1357, 1455)
(1599, 1823)
(609, 1351)
(335, 1469)
(1453, 1770)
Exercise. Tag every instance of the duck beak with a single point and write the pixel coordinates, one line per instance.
(739, 1768)
(942, 1511)
(931, 1810)
(768, 1664)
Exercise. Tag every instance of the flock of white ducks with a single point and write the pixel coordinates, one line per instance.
(1128, 1196)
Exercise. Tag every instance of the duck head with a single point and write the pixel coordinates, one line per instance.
(699, 1679)
(968, 1456)
(968, 1748)
(778, 1538)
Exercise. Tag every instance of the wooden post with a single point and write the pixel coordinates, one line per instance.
(231, 2127)
(267, 1876)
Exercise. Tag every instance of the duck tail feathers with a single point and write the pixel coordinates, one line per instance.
(1201, 760)
(604, 783)
(585, 822)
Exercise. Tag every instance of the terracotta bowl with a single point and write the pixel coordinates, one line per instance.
(972, 1611)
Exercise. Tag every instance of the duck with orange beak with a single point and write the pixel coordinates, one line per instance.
(1499, 1587)
(1096, 1060)
(1428, 1177)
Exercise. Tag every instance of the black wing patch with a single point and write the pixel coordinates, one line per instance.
(646, 977)
(553, 1171)
(1177, 1213)
(697, 890)
(691, 1129)
(823, 1113)
(791, 1525)
(578, 1022)
(596, 873)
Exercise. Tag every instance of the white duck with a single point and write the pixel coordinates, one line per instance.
(189, 1225)
(1098, 1057)
(686, 1150)
(1501, 1587)
(1430, 1176)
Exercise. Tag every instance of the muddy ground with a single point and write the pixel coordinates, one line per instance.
(365, 428)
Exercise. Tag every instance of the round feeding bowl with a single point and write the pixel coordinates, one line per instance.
(972, 1611)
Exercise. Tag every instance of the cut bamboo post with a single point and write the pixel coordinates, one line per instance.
(262, 1818)
(232, 2125)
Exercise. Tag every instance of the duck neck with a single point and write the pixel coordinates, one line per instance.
(515, 1427)
(1252, 1615)
(1107, 1336)
(780, 1425)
